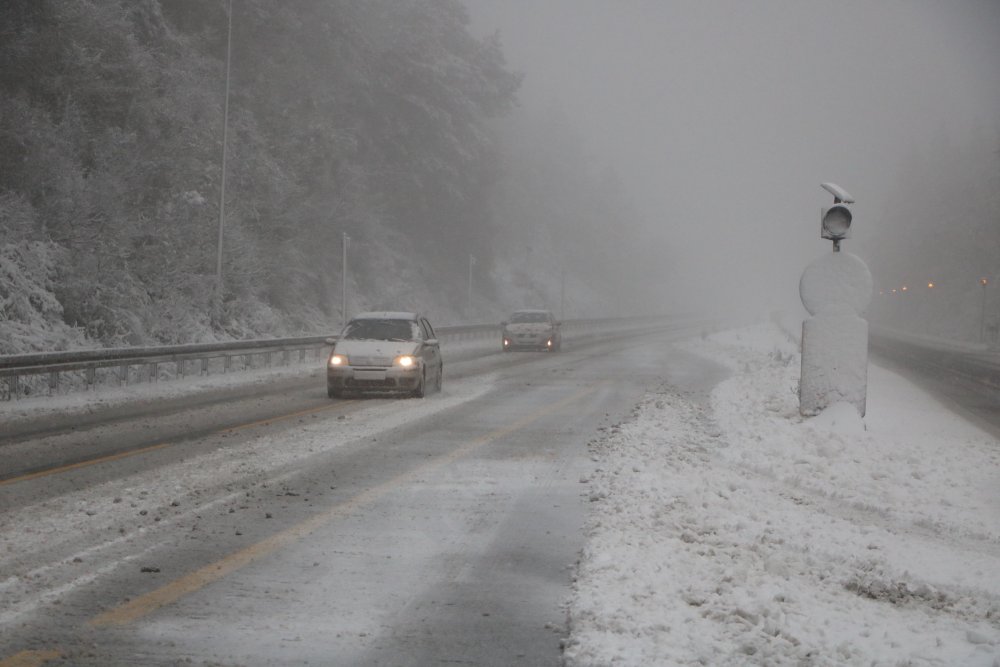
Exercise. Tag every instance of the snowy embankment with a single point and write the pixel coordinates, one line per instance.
(738, 532)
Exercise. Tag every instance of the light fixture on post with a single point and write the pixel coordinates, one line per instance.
(835, 222)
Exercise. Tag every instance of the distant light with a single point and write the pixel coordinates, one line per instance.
(983, 282)
(930, 285)
(893, 290)
(905, 288)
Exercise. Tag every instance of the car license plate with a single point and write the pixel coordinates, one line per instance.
(369, 375)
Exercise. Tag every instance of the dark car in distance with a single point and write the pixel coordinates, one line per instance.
(532, 329)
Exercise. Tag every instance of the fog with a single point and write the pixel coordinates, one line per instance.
(723, 118)
(597, 158)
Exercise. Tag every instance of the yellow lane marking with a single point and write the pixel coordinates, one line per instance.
(151, 448)
(30, 658)
(140, 606)
(84, 464)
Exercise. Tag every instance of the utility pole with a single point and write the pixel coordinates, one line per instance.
(562, 294)
(217, 302)
(468, 302)
(982, 315)
(343, 284)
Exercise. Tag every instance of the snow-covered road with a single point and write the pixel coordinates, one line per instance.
(721, 527)
(373, 532)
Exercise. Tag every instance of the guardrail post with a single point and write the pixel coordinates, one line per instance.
(302, 356)
(204, 366)
(123, 378)
(181, 363)
(154, 372)
(227, 363)
(53, 382)
(91, 377)
(286, 358)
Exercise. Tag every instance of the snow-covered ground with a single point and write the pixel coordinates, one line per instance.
(734, 531)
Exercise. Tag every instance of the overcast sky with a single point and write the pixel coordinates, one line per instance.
(723, 117)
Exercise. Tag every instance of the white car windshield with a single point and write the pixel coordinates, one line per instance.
(380, 330)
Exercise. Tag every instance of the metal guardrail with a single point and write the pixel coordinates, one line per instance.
(87, 369)
(47, 373)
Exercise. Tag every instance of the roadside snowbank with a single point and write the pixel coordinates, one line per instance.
(740, 533)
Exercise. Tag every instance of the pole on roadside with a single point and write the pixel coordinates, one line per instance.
(217, 301)
(835, 289)
(343, 282)
(562, 294)
(468, 301)
(982, 314)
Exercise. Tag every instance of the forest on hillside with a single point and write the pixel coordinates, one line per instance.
(383, 120)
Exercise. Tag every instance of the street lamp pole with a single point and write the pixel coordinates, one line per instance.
(562, 293)
(217, 305)
(343, 283)
(468, 302)
(982, 315)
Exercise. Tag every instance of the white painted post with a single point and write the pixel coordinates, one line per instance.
(835, 289)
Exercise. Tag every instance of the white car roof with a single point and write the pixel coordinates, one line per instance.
(386, 315)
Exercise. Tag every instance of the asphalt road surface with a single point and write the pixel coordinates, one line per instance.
(277, 527)
(974, 395)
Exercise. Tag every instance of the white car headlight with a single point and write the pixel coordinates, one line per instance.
(337, 360)
(406, 361)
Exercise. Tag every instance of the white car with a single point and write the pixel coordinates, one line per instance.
(394, 352)
(532, 329)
